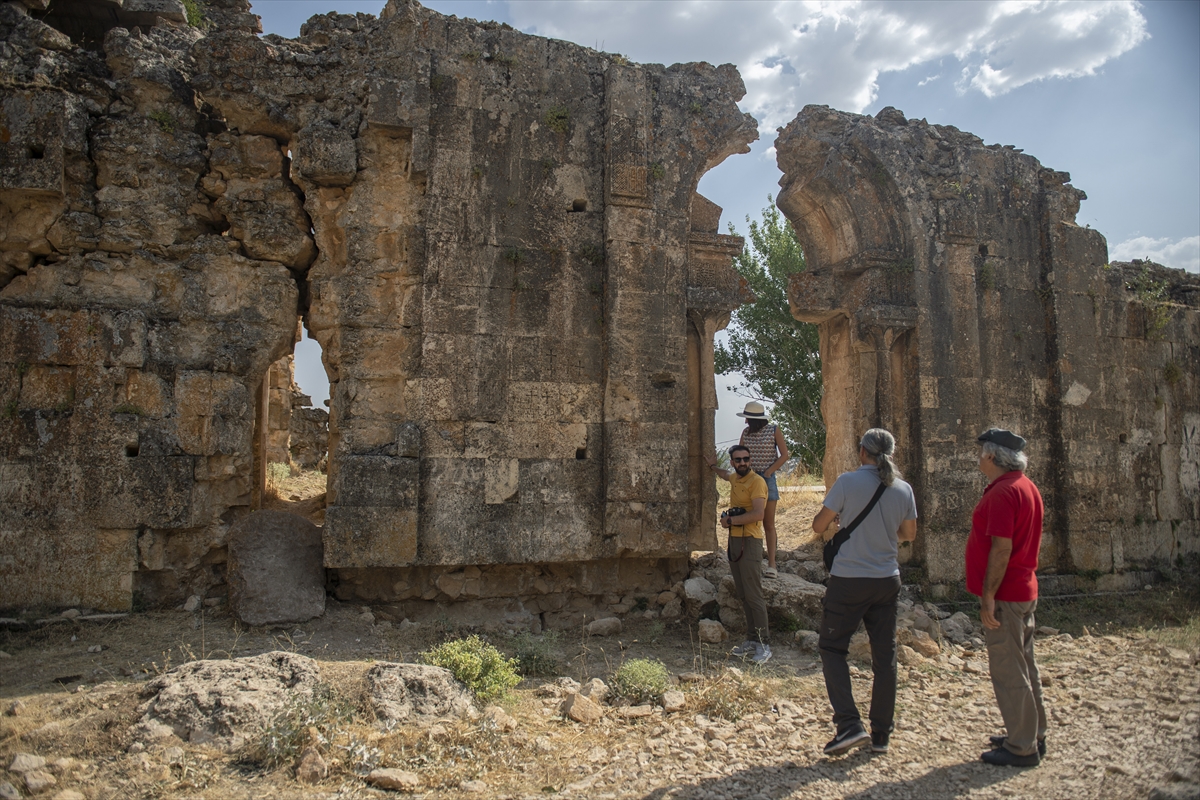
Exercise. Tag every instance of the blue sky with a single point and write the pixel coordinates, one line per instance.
(1107, 91)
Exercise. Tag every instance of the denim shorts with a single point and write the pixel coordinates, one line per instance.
(772, 487)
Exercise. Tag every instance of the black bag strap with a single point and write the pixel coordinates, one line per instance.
(843, 535)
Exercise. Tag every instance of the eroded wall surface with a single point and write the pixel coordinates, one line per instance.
(954, 292)
(494, 237)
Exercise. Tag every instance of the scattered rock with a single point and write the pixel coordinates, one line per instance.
(26, 762)
(173, 755)
(69, 794)
(473, 787)
(635, 712)
(673, 700)
(394, 779)
(70, 613)
(8, 791)
(403, 692)
(1046, 630)
(672, 609)
(809, 641)
(907, 656)
(193, 604)
(367, 618)
(595, 690)
(920, 641)
(61, 766)
(275, 571)
(711, 631)
(581, 709)
(690, 677)
(499, 719)
(4, 655)
(860, 648)
(608, 626)
(39, 781)
(697, 593)
(312, 767)
(222, 701)
(96, 648)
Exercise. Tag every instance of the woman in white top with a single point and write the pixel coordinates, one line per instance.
(768, 452)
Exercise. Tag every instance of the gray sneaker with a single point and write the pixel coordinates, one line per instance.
(746, 648)
(762, 653)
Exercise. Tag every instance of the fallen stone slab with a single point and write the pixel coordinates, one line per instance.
(397, 780)
(276, 569)
(416, 693)
(223, 702)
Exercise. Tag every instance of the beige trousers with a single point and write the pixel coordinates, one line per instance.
(1015, 676)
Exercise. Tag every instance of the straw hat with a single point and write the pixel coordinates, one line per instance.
(753, 411)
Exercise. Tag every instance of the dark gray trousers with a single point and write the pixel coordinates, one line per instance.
(745, 563)
(871, 601)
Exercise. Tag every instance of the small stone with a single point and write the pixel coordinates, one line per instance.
(39, 781)
(673, 700)
(96, 648)
(193, 603)
(61, 766)
(473, 787)
(4, 655)
(608, 626)
(395, 779)
(16, 708)
(711, 631)
(907, 656)
(173, 755)
(9, 792)
(635, 712)
(136, 747)
(367, 618)
(26, 762)
(1046, 630)
(500, 719)
(690, 677)
(581, 709)
(406, 625)
(69, 794)
(70, 613)
(1120, 769)
(595, 689)
(312, 767)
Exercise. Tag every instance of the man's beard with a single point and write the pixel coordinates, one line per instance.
(742, 469)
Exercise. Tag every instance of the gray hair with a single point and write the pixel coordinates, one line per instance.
(880, 445)
(1005, 458)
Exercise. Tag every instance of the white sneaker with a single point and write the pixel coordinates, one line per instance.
(762, 653)
(746, 648)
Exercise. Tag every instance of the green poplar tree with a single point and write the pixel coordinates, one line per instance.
(778, 356)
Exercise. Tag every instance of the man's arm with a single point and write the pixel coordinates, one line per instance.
(907, 531)
(822, 523)
(758, 507)
(712, 464)
(996, 567)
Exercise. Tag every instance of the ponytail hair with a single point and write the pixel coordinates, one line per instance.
(880, 445)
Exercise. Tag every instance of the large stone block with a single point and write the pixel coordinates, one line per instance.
(275, 569)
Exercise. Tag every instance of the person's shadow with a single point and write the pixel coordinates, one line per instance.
(785, 779)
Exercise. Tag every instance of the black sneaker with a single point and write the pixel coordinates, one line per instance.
(847, 740)
(998, 741)
(1003, 757)
(879, 742)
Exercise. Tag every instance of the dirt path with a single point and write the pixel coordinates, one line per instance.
(1125, 714)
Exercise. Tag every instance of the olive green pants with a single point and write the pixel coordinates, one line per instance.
(1015, 677)
(745, 562)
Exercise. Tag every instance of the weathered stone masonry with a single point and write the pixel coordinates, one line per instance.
(954, 292)
(495, 239)
(497, 242)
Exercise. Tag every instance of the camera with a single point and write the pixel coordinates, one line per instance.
(733, 512)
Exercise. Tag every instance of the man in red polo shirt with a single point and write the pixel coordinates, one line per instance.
(1001, 560)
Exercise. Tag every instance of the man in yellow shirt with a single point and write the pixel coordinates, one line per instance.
(748, 492)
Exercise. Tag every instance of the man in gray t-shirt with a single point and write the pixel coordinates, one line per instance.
(863, 586)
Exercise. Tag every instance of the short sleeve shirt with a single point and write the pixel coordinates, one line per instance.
(873, 548)
(1011, 507)
(741, 494)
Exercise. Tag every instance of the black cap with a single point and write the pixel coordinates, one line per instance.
(1003, 438)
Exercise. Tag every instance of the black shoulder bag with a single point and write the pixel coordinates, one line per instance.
(842, 536)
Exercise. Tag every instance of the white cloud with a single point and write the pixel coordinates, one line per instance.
(821, 51)
(1181, 254)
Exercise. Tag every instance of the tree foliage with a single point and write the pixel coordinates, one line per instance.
(778, 356)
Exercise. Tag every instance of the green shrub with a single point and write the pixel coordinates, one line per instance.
(558, 119)
(641, 680)
(479, 665)
(282, 741)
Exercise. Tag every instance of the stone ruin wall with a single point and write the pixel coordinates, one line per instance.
(297, 434)
(955, 292)
(495, 239)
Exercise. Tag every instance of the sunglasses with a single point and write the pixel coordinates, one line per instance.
(740, 460)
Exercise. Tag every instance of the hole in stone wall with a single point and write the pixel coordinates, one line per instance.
(579, 205)
(37, 152)
(581, 454)
(131, 450)
(983, 249)
(1123, 438)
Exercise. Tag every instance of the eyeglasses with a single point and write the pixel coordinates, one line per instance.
(740, 460)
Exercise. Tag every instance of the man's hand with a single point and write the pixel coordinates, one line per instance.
(826, 523)
(987, 613)
(725, 523)
(710, 460)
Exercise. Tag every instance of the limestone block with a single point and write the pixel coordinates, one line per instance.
(143, 490)
(370, 536)
(275, 570)
(41, 126)
(48, 388)
(362, 481)
(326, 155)
(416, 693)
